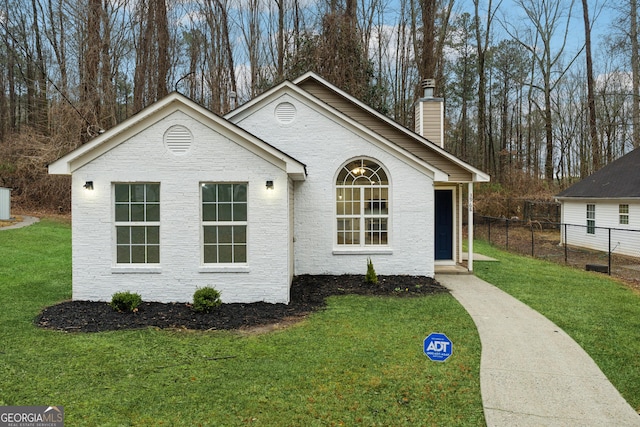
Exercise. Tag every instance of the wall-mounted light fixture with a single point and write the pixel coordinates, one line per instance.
(88, 185)
(269, 185)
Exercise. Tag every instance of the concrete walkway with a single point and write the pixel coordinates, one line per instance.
(531, 372)
(26, 220)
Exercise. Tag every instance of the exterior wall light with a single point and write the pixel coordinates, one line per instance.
(269, 185)
(88, 185)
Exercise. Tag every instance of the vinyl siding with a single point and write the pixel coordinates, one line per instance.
(623, 240)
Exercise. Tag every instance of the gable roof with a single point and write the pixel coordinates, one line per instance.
(290, 89)
(446, 166)
(157, 111)
(619, 179)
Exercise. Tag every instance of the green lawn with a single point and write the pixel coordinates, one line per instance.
(358, 362)
(600, 313)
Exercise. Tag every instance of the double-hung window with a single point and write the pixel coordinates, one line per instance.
(362, 204)
(623, 211)
(224, 223)
(591, 218)
(137, 221)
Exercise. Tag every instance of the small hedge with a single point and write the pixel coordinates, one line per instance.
(371, 277)
(125, 301)
(206, 300)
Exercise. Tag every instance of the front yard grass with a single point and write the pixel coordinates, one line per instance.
(358, 362)
(600, 313)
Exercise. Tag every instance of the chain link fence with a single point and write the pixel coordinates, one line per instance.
(607, 250)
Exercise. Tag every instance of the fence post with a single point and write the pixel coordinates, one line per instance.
(532, 244)
(565, 243)
(609, 251)
(489, 227)
(507, 234)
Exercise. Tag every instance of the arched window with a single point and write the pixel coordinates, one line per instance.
(362, 204)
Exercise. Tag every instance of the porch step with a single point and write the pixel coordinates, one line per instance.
(451, 269)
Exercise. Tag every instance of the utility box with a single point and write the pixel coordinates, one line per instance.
(5, 203)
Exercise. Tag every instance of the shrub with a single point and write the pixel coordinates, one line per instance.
(125, 301)
(371, 276)
(206, 299)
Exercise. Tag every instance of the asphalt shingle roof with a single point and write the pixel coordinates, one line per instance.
(619, 179)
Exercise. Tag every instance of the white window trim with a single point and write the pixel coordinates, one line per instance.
(623, 214)
(143, 269)
(591, 219)
(137, 268)
(223, 267)
(368, 250)
(362, 248)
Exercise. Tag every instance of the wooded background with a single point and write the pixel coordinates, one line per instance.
(539, 93)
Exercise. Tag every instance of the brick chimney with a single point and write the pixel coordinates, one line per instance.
(429, 114)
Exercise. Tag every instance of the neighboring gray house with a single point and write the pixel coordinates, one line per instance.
(303, 179)
(607, 199)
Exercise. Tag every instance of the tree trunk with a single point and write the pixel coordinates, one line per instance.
(91, 63)
(427, 66)
(280, 41)
(140, 73)
(162, 28)
(548, 130)
(40, 95)
(635, 70)
(108, 93)
(591, 101)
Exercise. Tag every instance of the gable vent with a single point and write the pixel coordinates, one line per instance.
(285, 113)
(178, 139)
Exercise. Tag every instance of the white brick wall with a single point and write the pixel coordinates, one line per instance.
(324, 145)
(212, 158)
(291, 229)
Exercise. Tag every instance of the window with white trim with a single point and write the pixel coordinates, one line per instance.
(623, 211)
(591, 218)
(137, 221)
(362, 204)
(224, 223)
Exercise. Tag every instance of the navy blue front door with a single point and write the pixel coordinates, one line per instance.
(444, 224)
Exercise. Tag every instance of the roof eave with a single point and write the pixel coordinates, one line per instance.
(238, 114)
(477, 174)
(77, 158)
(575, 198)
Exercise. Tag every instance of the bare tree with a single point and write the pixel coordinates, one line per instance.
(546, 18)
(483, 38)
(280, 41)
(90, 62)
(591, 101)
(152, 53)
(430, 28)
(252, 35)
(401, 69)
(635, 70)
(508, 64)
(462, 94)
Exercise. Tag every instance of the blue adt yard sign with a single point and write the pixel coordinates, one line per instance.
(438, 347)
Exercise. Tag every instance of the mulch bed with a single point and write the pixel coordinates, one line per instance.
(308, 293)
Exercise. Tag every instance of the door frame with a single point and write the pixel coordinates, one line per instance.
(454, 225)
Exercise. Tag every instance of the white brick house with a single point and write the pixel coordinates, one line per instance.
(303, 179)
